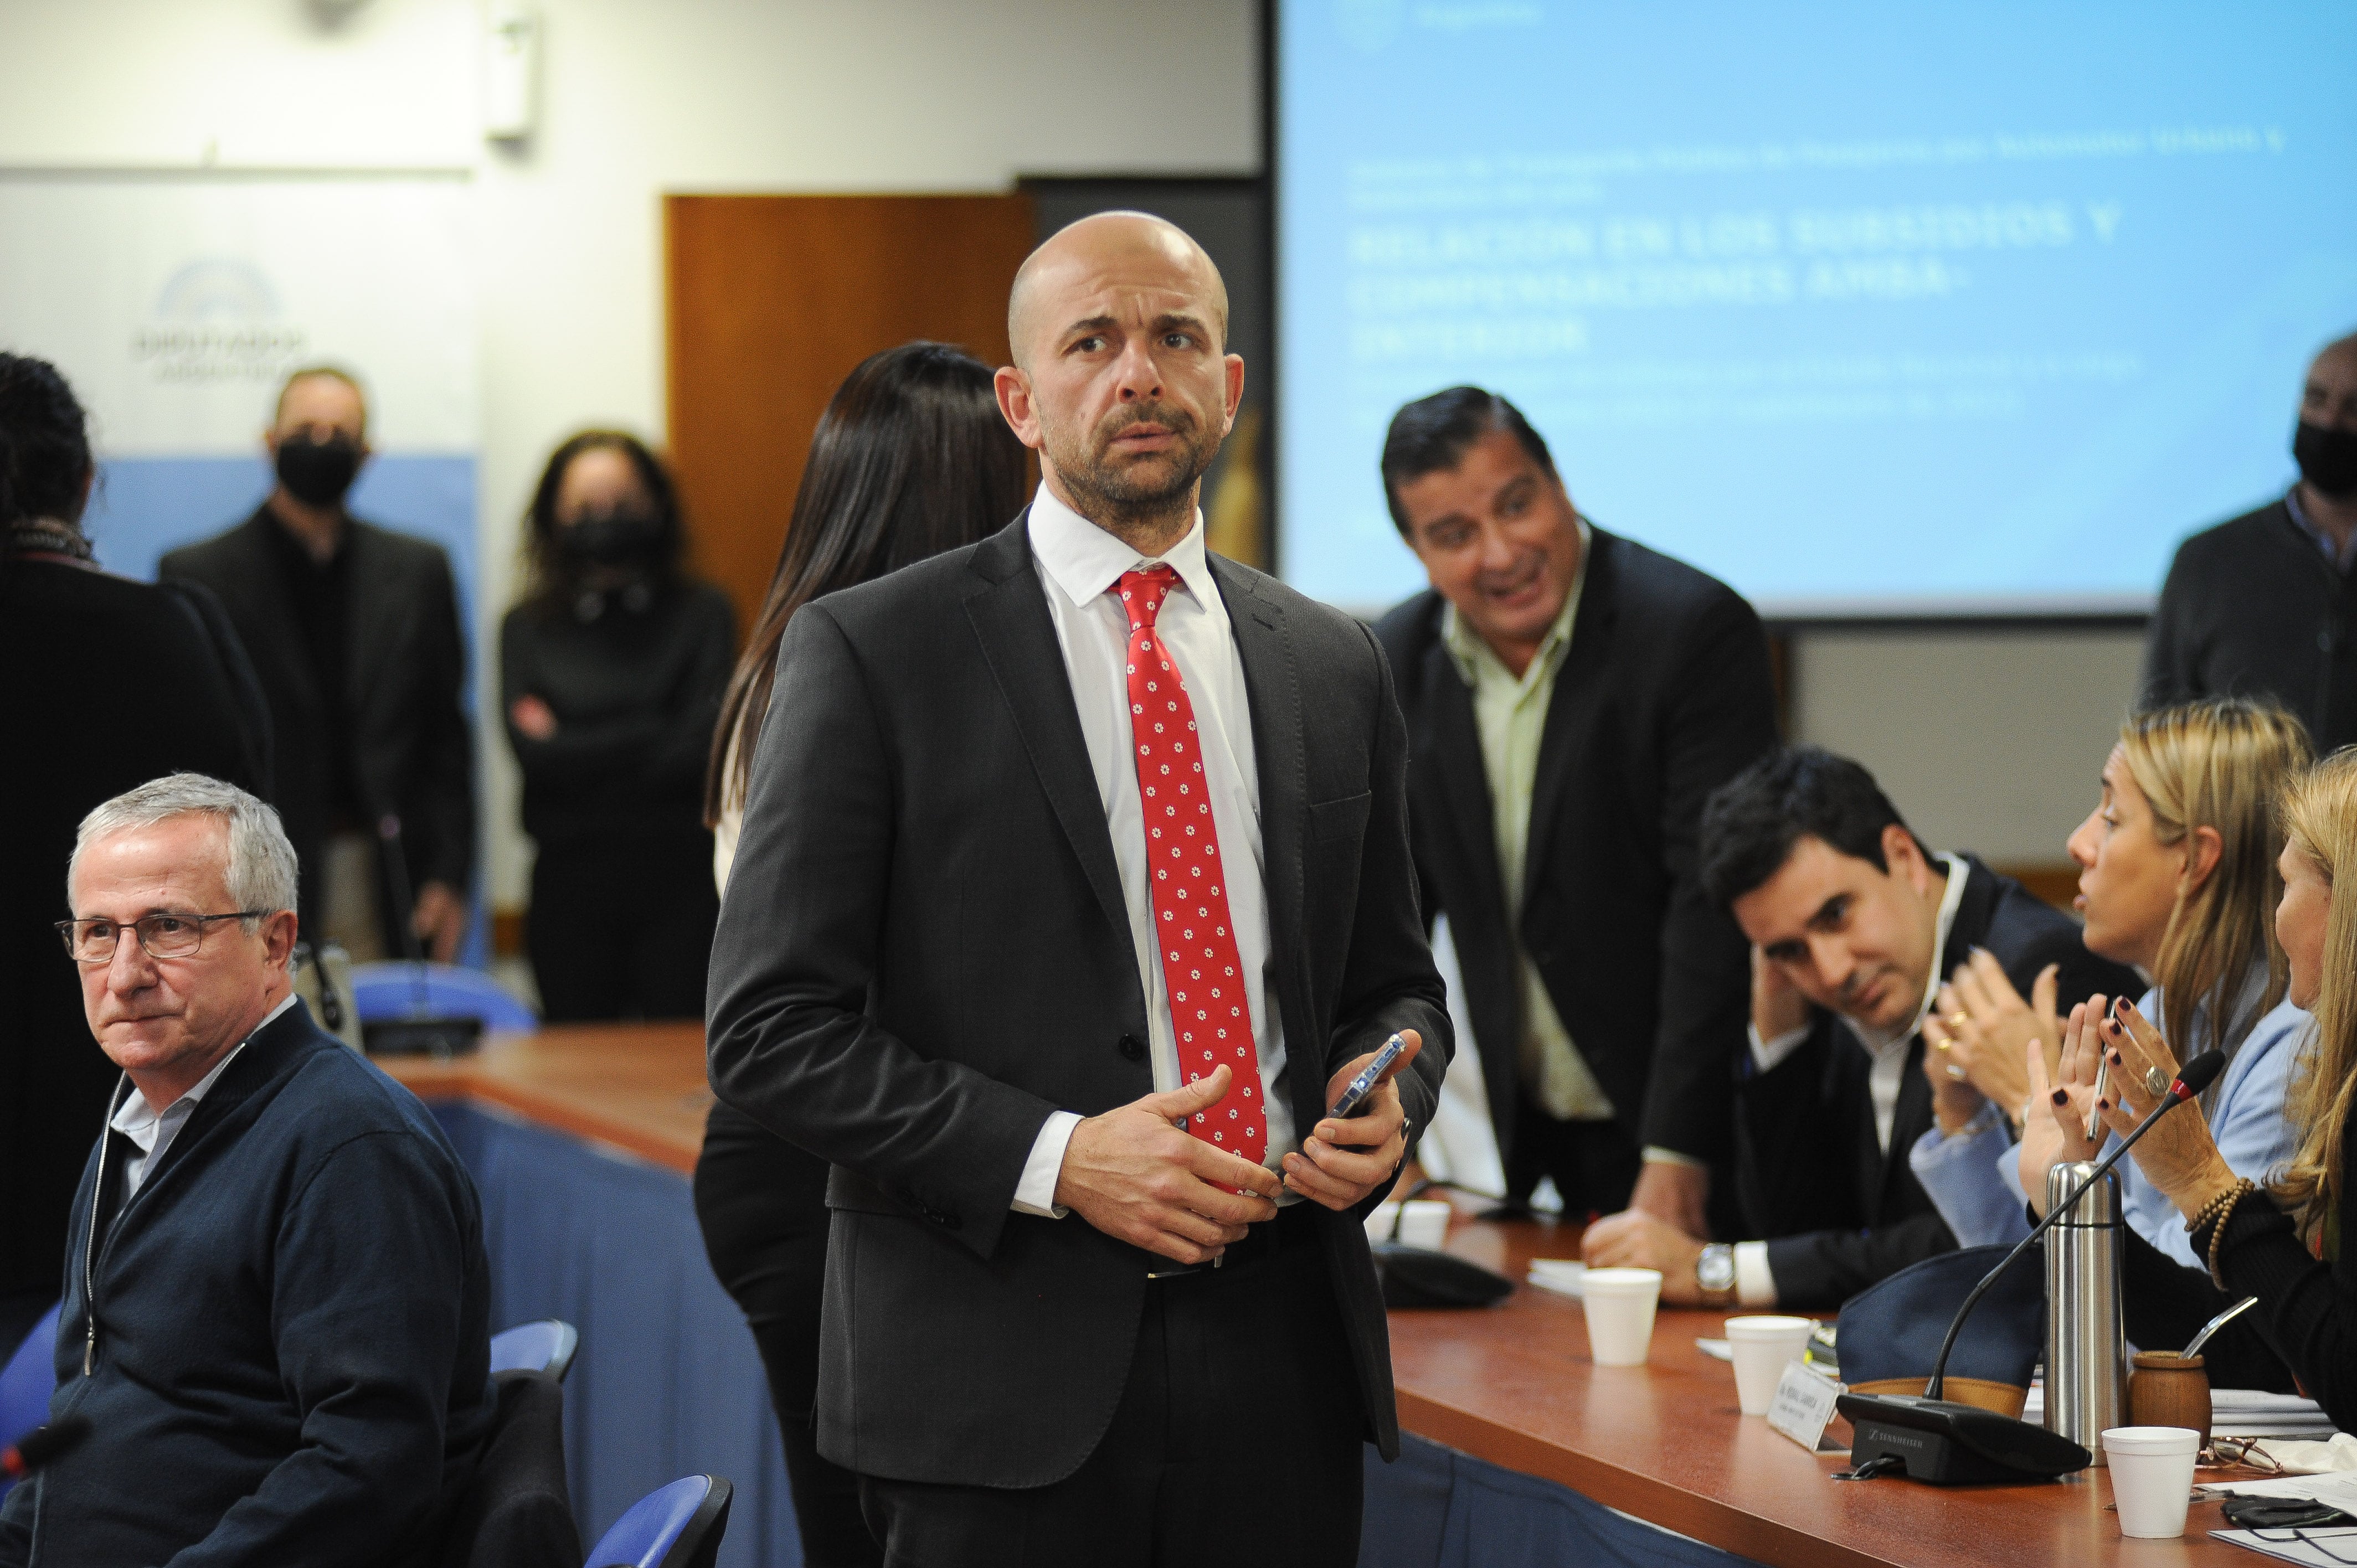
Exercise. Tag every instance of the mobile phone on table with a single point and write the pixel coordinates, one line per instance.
(1355, 1094)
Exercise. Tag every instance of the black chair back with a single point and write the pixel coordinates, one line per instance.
(518, 1513)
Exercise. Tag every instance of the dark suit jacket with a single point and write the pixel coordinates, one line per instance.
(1838, 1212)
(405, 690)
(71, 748)
(2252, 608)
(1663, 695)
(923, 952)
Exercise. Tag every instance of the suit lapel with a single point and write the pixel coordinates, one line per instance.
(1580, 692)
(1281, 757)
(1967, 930)
(1009, 609)
(282, 648)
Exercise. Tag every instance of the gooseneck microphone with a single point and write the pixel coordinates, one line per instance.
(43, 1445)
(1940, 1441)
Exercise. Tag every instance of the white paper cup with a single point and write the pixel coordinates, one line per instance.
(1760, 1348)
(2152, 1477)
(1426, 1224)
(1619, 1306)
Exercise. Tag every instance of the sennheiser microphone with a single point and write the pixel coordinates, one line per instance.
(43, 1445)
(1941, 1441)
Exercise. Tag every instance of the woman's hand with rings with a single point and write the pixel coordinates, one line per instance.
(1980, 1024)
(2178, 1156)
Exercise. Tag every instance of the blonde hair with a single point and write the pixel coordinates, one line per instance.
(2219, 764)
(2320, 817)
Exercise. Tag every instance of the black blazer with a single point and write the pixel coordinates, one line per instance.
(1663, 695)
(71, 635)
(1838, 1212)
(923, 951)
(2252, 608)
(405, 685)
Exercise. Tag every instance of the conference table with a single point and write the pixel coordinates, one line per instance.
(582, 1137)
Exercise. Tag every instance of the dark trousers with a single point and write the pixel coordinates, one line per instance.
(1594, 1163)
(1238, 1441)
(623, 928)
(761, 1203)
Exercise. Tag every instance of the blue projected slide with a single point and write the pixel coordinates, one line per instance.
(1865, 308)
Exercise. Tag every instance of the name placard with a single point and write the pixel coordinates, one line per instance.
(1804, 1405)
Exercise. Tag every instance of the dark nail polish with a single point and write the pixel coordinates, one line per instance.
(2102, 1105)
(2116, 1060)
(2121, 1007)
(2062, 1097)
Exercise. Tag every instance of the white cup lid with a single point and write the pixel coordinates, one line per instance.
(1766, 1325)
(2162, 1440)
(1623, 1279)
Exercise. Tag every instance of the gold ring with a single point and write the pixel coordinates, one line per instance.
(1957, 1020)
(1941, 1044)
(2157, 1082)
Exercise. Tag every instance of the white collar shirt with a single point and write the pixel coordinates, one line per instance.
(1079, 564)
(152, 1130)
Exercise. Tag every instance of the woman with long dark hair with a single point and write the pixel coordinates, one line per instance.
(611, 675)
(113, 682)
(910, 458)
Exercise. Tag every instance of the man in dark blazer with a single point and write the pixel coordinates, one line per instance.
(1856, 923)
(2265, 605)
(354, 632)
(1571, 697)
(954, 961)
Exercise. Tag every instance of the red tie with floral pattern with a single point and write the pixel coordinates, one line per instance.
(1208, 1012)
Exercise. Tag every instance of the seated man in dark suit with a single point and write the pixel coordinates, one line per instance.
(276, 1300)
(1571, 698)
(1853, 924)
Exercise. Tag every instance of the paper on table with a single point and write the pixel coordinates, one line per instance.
(2321, 1548)
(2236, 1413)
(1565, 1276)
(2338, 1488)
(1717, 1349)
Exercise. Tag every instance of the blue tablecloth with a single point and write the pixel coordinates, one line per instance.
(668, 1383)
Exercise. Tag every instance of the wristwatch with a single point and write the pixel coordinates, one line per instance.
(1714, 1272)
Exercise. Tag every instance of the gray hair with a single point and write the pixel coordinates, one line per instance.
(261, 871)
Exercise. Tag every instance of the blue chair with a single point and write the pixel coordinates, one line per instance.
(26, 1383)
(678, 1526)
(544, 1347)
(386, 993)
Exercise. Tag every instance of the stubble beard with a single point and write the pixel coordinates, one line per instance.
(1151, 499)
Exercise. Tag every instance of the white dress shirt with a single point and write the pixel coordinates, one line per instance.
(1755, 1282)
(154, 1130)
(1078, 563)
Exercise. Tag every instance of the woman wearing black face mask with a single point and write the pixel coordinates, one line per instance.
(611, 675)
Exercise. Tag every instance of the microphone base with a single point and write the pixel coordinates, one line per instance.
(1951, 1444)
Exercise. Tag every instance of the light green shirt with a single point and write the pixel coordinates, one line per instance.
(1510, 713)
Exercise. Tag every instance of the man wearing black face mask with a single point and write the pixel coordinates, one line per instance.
(354, 631)
(2265, 605)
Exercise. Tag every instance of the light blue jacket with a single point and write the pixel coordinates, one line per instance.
(1973, 1178)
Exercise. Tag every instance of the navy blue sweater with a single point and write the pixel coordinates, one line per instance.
(292, 1355)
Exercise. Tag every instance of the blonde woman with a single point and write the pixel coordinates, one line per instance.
(2177, 877)
(2281, 1241)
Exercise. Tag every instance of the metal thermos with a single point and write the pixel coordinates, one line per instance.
(2086, 1345)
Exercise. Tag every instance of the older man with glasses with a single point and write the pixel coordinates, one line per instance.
(275, 1302)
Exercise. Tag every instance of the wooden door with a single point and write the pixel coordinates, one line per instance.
(771, 301)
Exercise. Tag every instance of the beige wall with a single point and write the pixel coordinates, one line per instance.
(1989, 742)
